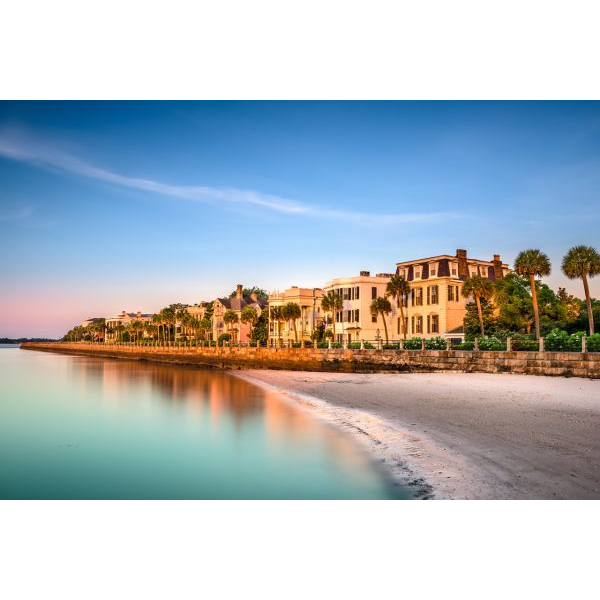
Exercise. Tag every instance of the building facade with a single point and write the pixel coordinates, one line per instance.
(355, 322)
(123, 319)
(239, 332)
(309, 300)
(436, 306)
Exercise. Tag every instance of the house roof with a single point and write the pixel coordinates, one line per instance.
(238, 304)
(459, 329)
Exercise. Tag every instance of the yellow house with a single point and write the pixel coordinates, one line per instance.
(125, 319)
(436, 306)
(309, 300)
(355, 322)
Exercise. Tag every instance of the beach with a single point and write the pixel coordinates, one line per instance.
(463, 435)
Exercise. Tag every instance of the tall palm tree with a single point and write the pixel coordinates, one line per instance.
(205, 325)
(230, 318)
(381, 306)
(249, 316)
(157, 322)
(181, 315)
(398, 288)
(292, 312)
(120, 330)
(332, 302)
(480, 288)
(533, 263)
(168, 319)
(583, 262)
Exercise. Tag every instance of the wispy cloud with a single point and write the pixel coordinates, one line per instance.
(18, 146)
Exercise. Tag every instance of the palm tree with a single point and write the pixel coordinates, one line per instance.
(168, 318)
(157, 322)
(120, 329)
(533, 263)
(399, 289)
(250, 316)
(332, 302)
(292, 311)
(583, 262)
(381, 306)
(230, 317)
(205, 325)
(480, 288)
(181, 315)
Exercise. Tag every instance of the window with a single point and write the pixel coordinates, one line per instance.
(433, 324)
(357, 297)
(400, 330)
(373, 318)
(453, 271)
(373, 293)
(346, 294)
(432, 294)
(453, 293)
(417, 297)
(418, 324)
(432, 270)
(417, 274)
(357, 316)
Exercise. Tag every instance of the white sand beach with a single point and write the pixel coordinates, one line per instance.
(463, 435)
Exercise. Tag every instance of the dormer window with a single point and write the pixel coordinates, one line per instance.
(417, 274)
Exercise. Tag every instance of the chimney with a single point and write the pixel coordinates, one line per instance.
(239, 290)
(463, 269)
(498, 273)
(365, 273)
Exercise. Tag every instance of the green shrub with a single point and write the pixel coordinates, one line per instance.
(593, 343)
(558, 340)
(224, 337)
(525, 345)
(464, 346)
(491, 343)
(322, 345)
(336, 345)
(354, 345)
(436, 343)
(296, 344)
(369, 346)
(413, 344)
(395, 346)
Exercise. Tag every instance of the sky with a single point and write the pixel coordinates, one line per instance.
(110, 206)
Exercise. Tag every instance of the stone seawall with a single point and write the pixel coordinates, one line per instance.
(567, 364)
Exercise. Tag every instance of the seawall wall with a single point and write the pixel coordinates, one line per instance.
(566, 364)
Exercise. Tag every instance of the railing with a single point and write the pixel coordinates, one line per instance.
(573, 343)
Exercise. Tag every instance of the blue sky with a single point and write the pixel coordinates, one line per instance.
(134, 205)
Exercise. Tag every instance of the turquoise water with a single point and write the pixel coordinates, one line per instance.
(85, 428)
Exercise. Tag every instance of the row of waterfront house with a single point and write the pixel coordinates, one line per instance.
(434, 306)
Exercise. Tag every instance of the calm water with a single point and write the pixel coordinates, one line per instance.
(77, 427)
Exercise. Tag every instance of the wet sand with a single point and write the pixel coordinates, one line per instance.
(463, 435)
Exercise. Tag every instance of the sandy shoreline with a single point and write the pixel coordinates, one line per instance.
(463, 436)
